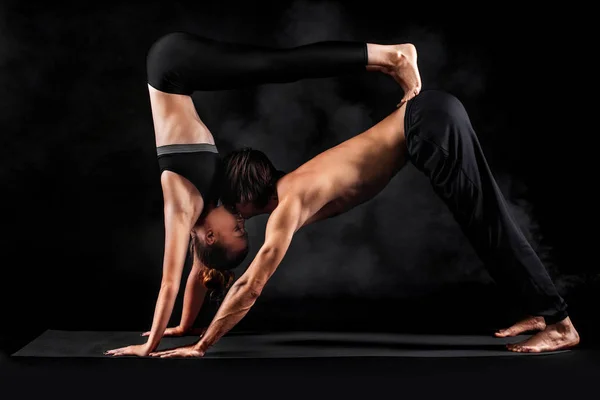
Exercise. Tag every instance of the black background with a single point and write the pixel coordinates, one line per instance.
(82, 212)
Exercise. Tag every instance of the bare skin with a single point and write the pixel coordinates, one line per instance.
(332, 183)
(193, 299)
(559, 336)
(176, 121)
(404, 69)
(529, 324)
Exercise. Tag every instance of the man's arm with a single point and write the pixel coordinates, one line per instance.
(285, 220)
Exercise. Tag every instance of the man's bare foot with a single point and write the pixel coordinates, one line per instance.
(526, 325)
(406, 71)
(559, 336)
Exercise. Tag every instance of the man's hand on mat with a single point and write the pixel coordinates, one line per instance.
(185, 351)
(180, 331)
(140, 350)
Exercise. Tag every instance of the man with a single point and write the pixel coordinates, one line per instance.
(434, 132)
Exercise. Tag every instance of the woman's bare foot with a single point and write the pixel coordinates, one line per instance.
(559, 336)
(406, 71)
(400, 62)
(528, 324)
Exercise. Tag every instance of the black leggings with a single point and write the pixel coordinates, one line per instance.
(181, 63)
(443, 145)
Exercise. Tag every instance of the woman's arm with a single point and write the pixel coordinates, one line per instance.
(285, 220)
(193, 297)
(177, 234)
(182, 208)
(281, 226)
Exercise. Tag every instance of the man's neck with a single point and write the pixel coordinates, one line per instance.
(272, 204)
(268, 209)
(273, 201)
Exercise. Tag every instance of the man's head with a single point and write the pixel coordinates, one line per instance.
(250, 181)
(221, 243)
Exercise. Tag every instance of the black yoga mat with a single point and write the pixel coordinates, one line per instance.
(56, 343)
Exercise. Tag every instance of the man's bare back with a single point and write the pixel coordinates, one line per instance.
(356, 170)
(351, 173)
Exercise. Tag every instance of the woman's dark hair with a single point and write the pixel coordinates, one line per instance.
(250, 177)
(218, 262)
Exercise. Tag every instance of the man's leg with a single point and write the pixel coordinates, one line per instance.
(443, 145)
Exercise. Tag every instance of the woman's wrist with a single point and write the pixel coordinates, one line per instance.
(150, 347)
(185, 327)
(151, 344)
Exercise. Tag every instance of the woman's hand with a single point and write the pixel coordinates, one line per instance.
(180, 331)
(184, 351)
(140, 350)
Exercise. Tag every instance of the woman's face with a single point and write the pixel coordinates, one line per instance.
(246, 210)
(227, 228)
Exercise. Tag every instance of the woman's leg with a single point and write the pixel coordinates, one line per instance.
(443, 145)
(181, 63)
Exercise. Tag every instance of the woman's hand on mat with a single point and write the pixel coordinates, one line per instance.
(180, 331)
(140, 350)
(185, 351)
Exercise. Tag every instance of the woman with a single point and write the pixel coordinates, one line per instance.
(191, 169)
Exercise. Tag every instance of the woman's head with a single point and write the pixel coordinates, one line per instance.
(221, 243)
(250, 181)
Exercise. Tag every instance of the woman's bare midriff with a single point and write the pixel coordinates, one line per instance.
(176, 120)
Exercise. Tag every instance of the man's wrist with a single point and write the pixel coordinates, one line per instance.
(202, 346)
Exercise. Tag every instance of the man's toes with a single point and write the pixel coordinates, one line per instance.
(516, 347)
(509, 332)
(528, 349)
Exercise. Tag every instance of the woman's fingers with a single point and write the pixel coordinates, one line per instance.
(122, 351)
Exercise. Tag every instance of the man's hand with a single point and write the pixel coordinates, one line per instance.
(140, 350)
(190, 351)
(178, 331)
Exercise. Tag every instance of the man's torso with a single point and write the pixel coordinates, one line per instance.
(352, 172)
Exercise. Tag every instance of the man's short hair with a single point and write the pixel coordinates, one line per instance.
(250, 177)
